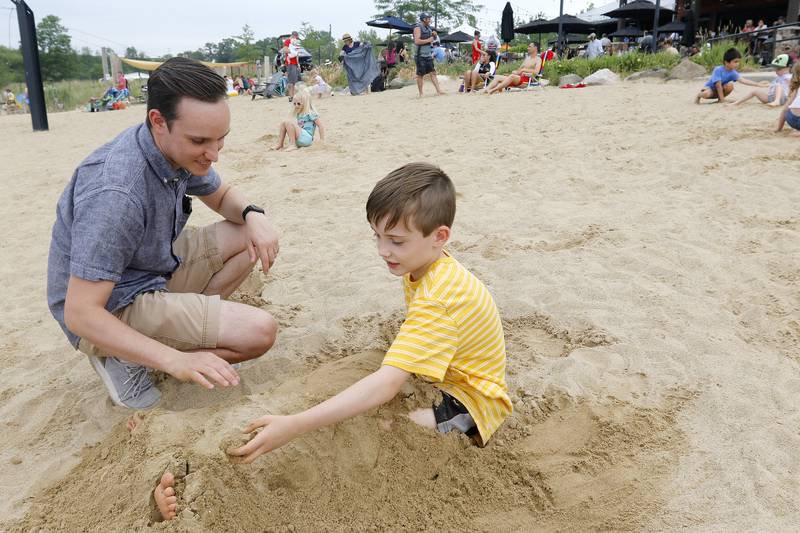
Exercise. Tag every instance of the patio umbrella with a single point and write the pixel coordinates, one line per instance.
(507, 24)
(641, 11)
(605, 25)
(627, 32)
(456, 37)
(569, 24)
(676, 26)
(391, 23)
(571, 38)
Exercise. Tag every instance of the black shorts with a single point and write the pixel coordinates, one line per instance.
(451, 415)
(424, 65)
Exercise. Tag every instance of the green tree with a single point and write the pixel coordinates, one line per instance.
(11, 68)
(447, 12)
(132, 53)
(369, 36)
(246, 49)
(318, 43)
(58, 59)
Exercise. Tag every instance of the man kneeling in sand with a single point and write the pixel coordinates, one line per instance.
(522, 76)
(129, 285)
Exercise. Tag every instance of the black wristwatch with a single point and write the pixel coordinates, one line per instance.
(250, 208)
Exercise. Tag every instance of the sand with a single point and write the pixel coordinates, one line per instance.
(643, 254)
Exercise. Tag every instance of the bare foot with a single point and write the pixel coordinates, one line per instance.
(795, 133)
(423, 417)
(290, 148)
(134, 421)
(164, 495)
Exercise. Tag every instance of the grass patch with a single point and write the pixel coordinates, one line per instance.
(712, 57)
(75, 94)
(623, 65)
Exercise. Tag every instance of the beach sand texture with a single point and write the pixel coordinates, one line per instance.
(643, 252)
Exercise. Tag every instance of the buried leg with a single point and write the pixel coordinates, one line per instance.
(424, 417)
(164, 496)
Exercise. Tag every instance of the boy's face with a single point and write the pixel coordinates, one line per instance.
(732, 65)
(406, 250)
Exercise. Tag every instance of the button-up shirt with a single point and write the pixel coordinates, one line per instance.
(117, 219)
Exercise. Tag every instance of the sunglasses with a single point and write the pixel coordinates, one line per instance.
(297, 104)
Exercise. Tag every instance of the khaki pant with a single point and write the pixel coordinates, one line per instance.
(182, 318)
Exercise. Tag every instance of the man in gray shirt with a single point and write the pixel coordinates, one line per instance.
(424, 35)
(129, 284)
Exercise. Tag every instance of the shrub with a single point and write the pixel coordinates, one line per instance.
(712, 57)
(622, 65)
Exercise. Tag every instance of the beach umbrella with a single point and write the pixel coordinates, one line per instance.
(605, 25)
(507, 24)
(571, 38)
(456, 37)
(391, 23)
(641, 11)
(676, 26)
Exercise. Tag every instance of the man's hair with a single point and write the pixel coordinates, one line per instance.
(731, 54)
(477, 33)
(417, 193)
(180, 77)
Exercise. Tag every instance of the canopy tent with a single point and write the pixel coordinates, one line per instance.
(676, 26)
(456, 37)
(391, 23)
(152, 65)
(568, 23)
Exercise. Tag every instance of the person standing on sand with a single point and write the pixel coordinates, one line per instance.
(424, 35)
(129, 284)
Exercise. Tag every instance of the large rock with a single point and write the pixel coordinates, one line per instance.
(658, 74)
(687, 70)
(399, 83)
(573, 79)
(602, 77)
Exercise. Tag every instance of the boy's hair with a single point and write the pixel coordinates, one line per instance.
(417, 193)
(180, 77)
(731, 54)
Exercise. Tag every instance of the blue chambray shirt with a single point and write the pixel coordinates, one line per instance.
(117, 219)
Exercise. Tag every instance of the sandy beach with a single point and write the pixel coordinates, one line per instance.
(643, 253)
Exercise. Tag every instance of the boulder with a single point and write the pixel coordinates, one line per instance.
(602, 77)
(573, 79)
(658, 74)
(399, 83)
(687, 70)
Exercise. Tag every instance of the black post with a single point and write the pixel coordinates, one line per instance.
(560, 28)
(655, 26)
(30, 59)
(436, 14)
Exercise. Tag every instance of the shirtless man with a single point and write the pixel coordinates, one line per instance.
(530, 69)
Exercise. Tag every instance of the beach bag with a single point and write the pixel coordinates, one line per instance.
(377, 84)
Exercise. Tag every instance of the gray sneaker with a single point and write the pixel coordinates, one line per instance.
(128, 384)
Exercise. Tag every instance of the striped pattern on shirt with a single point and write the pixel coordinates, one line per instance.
(452, 335)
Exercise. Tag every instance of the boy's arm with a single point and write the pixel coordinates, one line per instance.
(367, 393)
(751, 83)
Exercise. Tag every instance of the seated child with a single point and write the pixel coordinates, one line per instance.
(790, 114)
(778, 91)
(722, 79)
(452, 335)
(302, 124)
(320, 87)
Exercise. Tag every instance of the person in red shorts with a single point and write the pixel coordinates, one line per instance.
(522, 76)
(291, 51)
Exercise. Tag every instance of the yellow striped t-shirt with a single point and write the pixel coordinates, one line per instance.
(452, 335)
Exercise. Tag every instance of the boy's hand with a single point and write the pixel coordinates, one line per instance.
(278, 430)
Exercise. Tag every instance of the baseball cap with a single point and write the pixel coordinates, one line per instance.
(782, 61)
(424, 15)
(295, 34)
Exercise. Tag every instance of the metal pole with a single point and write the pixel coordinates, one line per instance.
(655, 26)
(33, 71)
(560, 28)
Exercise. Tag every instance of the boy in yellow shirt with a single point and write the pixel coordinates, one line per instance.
(452, 334)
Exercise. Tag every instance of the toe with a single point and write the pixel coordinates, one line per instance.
(171, 499)
(169, 492)
(167, 480)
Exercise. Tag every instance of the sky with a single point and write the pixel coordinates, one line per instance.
(159, 27)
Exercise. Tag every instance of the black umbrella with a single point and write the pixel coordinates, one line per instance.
(507, 24)
(571, 38)
(676, 26)
(568, 24)
(456, 37)
(627, 32)
(391, 23)
(641, 10)
(605, 26)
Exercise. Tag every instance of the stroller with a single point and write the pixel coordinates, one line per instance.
(274, 86)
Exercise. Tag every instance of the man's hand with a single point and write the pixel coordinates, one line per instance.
(278, 430)
(201, 367)
(262, 240)
(433, 32)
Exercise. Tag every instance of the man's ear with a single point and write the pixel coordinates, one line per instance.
(157, 121)
(441, 236)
